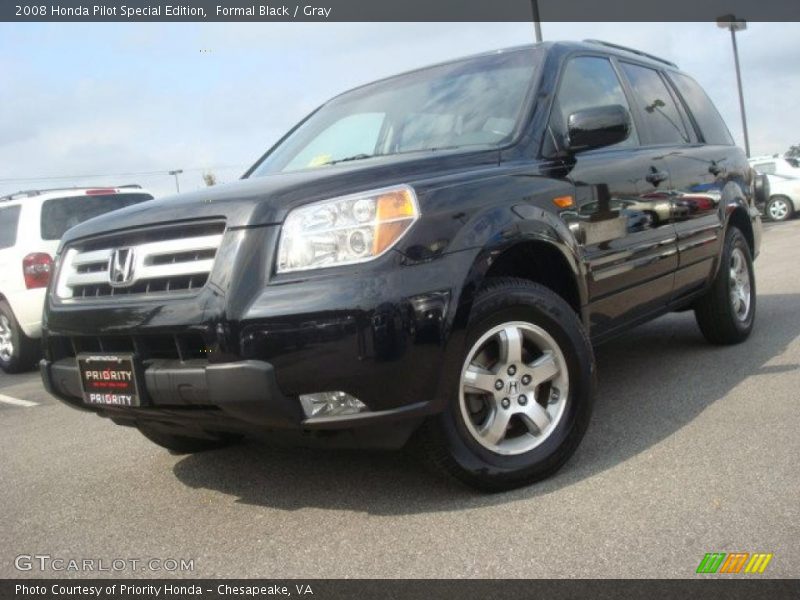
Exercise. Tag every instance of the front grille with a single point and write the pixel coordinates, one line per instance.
(150, 286)
(183, 346)
(163, 262)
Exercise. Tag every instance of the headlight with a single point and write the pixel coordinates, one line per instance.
(346, 230)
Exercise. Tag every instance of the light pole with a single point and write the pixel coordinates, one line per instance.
(177, 172)
(733, 24)
(537, 25)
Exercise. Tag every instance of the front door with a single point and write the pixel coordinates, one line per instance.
(622, 216)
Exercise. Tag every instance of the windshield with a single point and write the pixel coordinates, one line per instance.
(472, 103)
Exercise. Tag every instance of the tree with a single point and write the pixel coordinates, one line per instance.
(210, 179)
(794, 151)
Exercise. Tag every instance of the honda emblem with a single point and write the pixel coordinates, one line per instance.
(120, 272)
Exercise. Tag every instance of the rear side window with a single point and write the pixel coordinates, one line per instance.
(705, 113)
(59, 214)
(587, 82)
(9, 219)
(659, 112)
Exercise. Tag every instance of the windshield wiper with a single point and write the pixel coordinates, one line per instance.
(440, 148)
(349, 158)
(362, 156)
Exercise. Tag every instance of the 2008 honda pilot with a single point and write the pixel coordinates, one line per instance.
(430, 256)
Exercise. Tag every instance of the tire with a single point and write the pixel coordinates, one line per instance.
(722, 313)
(543, 432)
(779, 208)
(184, 444)
(18, 352)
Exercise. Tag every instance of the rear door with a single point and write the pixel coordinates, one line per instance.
(692, 188)
(622, 218)
(699, 172)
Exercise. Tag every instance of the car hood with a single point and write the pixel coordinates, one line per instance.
(267, 200)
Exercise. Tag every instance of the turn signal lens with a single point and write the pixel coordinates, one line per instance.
(396, 212)
(564, 202)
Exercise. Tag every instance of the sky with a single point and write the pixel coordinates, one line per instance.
(128, 102)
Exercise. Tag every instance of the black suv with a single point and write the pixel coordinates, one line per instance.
(430, 256)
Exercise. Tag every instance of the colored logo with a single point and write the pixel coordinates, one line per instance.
(720, 562)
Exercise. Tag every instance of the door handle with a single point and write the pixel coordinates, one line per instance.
(655, 176)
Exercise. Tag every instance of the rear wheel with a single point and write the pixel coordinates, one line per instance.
(185, 444)
(523, 397)
(727, 311)
(17, 351)
(779, 208)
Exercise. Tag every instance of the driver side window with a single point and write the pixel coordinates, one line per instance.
(587, 82)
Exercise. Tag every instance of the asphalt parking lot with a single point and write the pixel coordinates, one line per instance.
(692, 449)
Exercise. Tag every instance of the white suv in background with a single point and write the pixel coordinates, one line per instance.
(31, 225)
(784, 183)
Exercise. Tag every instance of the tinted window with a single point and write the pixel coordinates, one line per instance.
(711, 124)
(658, 109)
(587, 82)
(59, 214)
(9, 218)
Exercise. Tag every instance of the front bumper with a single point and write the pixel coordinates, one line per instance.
(244, 391)
(250, 343)
(241, 397)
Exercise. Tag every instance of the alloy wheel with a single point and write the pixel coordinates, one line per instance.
(6, 340)
(778, 209)
(739, 285)
(514, 388)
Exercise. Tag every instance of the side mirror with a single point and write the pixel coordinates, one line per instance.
(597, 127)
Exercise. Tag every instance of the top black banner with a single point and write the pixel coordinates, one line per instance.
(397, 11)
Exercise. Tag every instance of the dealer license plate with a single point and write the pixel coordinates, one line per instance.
(109, 379)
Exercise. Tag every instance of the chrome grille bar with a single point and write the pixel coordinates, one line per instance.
(160, 267)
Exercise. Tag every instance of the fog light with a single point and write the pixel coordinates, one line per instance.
(331, 404)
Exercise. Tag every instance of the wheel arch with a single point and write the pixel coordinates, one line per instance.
(740, 219)
(547, 260)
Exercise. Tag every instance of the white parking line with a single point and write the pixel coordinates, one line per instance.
(17, 401)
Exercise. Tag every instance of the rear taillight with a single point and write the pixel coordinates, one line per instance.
(101, 192)
(36, 268)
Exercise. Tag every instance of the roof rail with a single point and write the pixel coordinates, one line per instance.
(32, 193)
(21, 194)
(633, 50)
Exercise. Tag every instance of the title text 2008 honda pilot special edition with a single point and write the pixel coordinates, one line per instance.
(428, 257)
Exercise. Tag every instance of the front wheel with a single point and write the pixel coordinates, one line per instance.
(726, 312)
(522, 400)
